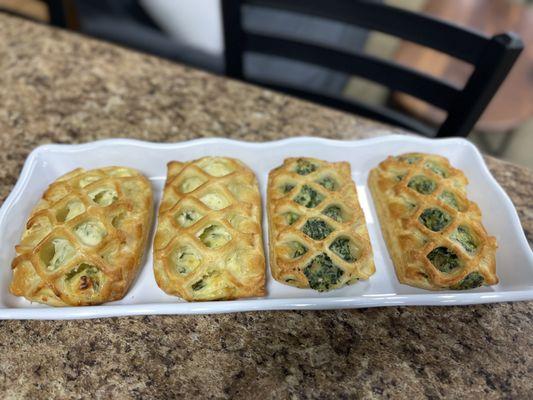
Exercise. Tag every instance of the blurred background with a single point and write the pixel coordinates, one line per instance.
(192, 32)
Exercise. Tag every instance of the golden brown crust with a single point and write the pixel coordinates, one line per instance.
(288, 195)
(208, 244)
(85, 239)
(433, 232)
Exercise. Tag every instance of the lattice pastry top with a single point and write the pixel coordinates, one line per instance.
(433, 232)
(85, 239)
(317, 232)
(208, 243)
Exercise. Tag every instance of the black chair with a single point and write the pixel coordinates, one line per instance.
(491, 57)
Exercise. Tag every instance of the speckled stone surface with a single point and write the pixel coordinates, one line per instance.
(59, 87)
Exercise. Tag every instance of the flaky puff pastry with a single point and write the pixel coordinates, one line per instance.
(317, 232)
(433, 232)
(85, 239)
(208, 243)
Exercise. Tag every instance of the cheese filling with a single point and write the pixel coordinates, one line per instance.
(90, 233)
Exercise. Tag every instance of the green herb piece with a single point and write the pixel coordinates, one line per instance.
(308, 197)
(433, 166)
(465, 238)
(328, 182)
(316, 229)
(291, 217)
(297, 249)
(443, 259)
(305, 167)
(321, 273)
(449, 199)
(435, 219)
(471, 281)
(334, 212)
(341, 247)
(422, 184)
(198, 285)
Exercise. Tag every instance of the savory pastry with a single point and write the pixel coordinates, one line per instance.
(85, 239)
(317, 232)
(434, 233)
(208, 244)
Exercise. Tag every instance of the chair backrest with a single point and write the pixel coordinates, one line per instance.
(491, 57)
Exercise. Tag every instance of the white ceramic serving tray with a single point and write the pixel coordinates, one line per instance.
(46, 163)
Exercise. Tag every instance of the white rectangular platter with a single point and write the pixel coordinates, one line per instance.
(46, 163)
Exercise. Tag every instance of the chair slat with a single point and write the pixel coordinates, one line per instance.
(393, 76)
(459, 42)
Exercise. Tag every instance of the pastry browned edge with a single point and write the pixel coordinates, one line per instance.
(208, 243)
(84, 241)
(317, 232)
(433, 232)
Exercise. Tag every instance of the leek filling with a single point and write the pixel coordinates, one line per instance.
(433, 166)
(297, 249)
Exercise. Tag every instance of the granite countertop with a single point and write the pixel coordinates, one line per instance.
(60, 87)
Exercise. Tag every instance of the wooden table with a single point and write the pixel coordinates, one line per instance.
(60, 87)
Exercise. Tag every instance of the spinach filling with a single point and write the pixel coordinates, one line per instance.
(449, 199)
(435, 219)
(316, 229)
(287, 187)
(297, 249)
(465, 238)
(444, 259)
(422, 184)
(341, 247)
(321, 273)
(305, 167)
(328, 182)
(291, 217)
(433, 166)
(334, 212)
(308, 197)
(471, 281)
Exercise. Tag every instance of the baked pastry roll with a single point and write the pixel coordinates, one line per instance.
(317, 232)
(85, 239)
(434, 233)
(208, 243)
